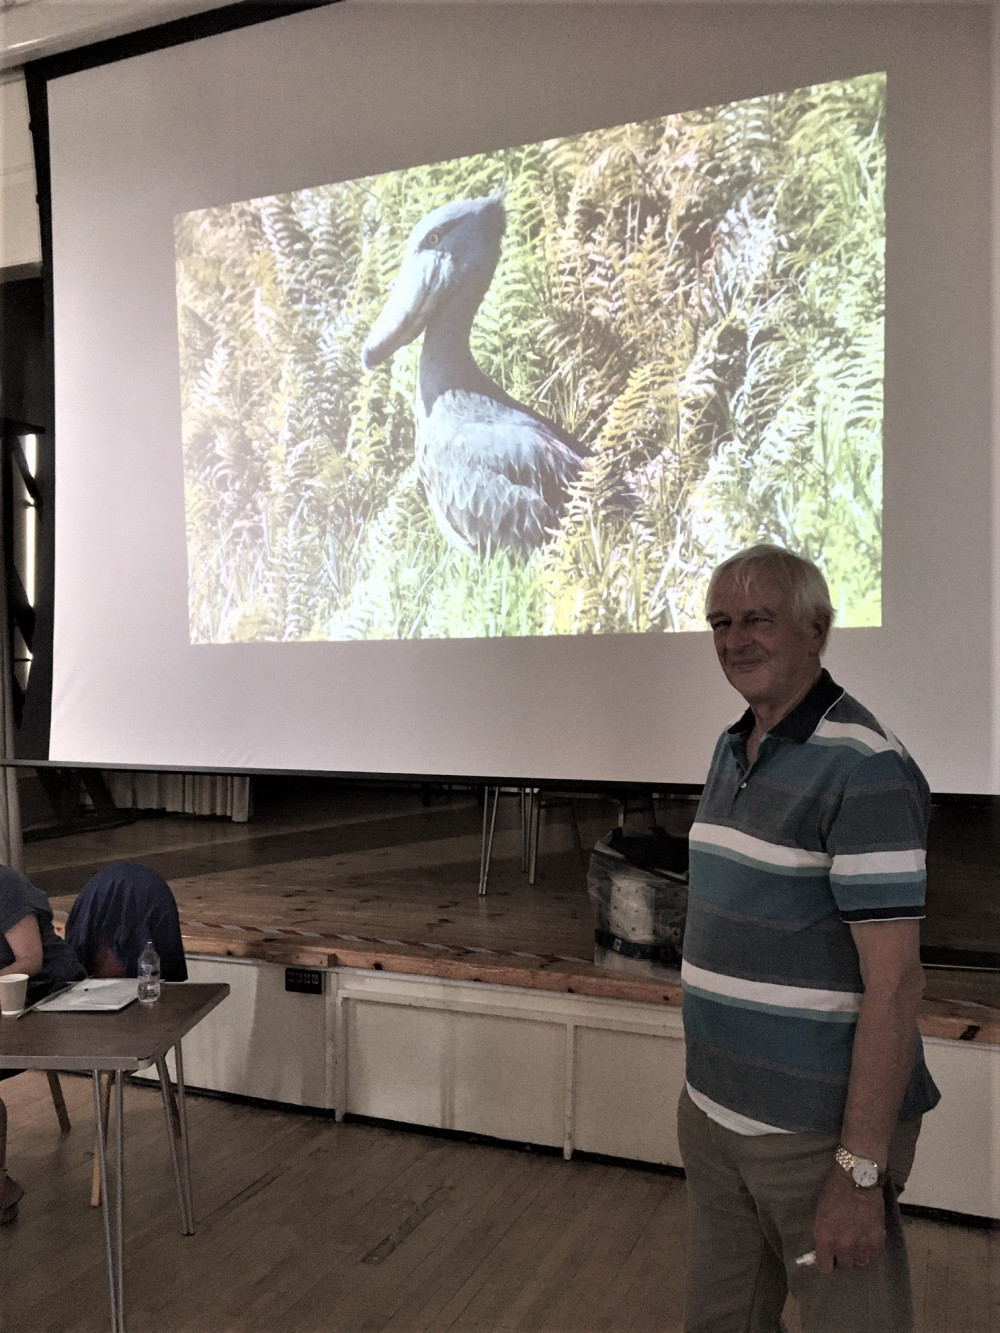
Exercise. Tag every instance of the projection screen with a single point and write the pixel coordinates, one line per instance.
(415, 364)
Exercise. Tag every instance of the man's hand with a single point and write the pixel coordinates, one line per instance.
(849, 1227)
(850, 1224)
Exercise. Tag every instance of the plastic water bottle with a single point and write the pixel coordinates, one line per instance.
(149, 974)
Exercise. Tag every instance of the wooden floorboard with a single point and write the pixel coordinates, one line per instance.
(308, 1226)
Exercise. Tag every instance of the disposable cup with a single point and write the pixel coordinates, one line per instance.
(13, 988)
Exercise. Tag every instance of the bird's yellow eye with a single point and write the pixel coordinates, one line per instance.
(432, 238)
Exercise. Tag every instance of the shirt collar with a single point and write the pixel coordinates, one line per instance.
(805, 717)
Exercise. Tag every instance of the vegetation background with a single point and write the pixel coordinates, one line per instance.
(699, 298)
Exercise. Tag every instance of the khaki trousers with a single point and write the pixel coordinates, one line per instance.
(751, 1204)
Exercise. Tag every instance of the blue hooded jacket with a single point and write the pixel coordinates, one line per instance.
(125, 905)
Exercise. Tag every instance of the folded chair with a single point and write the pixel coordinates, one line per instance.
(113, 916)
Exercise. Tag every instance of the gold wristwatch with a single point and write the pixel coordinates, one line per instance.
(862, 1170)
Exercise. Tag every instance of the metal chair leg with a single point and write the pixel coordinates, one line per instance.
(526, 794)
(575, 828)
(489, 825)
(534, 821)
(177, 1140)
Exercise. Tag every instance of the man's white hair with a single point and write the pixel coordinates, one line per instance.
(807, 588)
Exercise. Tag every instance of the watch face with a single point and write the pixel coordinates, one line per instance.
(865, 1173)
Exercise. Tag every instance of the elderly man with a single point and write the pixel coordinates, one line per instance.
(805, 1072)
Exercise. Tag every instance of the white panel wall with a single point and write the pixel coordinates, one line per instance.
(474, 1072)
(533, 1066)
(627, 1086)
(958, 1157)
(19, 238)
(261, 1041)
(599, 1076)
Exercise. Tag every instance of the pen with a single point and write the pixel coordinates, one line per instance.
(28, 1008)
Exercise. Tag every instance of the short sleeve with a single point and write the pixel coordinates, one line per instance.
(878, 840)
(16, 899)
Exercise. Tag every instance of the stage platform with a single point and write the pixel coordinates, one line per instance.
(386, 878)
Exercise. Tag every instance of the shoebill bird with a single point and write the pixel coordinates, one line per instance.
(496, 473)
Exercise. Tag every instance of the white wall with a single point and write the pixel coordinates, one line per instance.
(19, 237)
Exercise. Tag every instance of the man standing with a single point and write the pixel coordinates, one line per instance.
(805, 1073)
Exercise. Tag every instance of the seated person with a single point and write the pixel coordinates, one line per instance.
(113, 916)
(27, 944)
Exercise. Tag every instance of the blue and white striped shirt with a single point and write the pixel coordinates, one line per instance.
(827, 827)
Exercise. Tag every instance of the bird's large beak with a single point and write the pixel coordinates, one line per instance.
(412, 300)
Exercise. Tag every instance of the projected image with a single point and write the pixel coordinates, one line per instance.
(542, 390)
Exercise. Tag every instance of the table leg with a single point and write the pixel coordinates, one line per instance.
(120, 1192)
(185, 1148)
(112, 1244)
(176, 1120)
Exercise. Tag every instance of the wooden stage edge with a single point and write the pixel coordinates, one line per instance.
(955, 1020)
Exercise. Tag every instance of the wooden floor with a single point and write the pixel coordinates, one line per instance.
(306, 1226)
(373, 862)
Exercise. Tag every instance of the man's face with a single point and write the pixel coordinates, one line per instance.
(771, 658)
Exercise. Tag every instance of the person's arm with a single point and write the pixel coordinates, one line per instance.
(25, 941)
(849, 1227)
(106, 962)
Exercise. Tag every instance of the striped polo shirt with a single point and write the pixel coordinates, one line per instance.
(825, 828)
